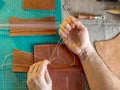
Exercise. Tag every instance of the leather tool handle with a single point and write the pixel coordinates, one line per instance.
(85, 16)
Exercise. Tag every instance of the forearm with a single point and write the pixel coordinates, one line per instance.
(98, 74)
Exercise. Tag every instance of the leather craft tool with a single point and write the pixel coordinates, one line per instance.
(90, 17)
(85, 16)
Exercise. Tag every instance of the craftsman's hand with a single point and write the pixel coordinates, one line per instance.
(74, 35)
(38, 77)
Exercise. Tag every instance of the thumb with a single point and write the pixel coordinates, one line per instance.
(43, 68)
(48, 79)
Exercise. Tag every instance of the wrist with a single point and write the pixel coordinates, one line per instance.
(86, 52)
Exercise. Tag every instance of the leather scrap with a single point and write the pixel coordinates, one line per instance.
(63, 75)
(39, 4)
(109, 51)
(15, 31)
(21, 61)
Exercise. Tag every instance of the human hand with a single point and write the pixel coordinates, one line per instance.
(75, 35)
(38, 77)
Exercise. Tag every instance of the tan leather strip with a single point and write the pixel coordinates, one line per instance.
(31, 33)
(39, 4)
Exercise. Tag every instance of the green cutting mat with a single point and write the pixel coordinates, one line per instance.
(8, 79)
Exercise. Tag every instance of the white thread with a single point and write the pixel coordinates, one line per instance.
(55, 49)
(3, 64)
(14, 65)
(64, 61)
(6, 57)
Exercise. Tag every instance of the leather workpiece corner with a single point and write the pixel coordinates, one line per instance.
(22, 30)
(109, 51)
(39, 4)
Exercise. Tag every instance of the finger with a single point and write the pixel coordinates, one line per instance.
(80, 26)
(70, 21)
(77, 23)
(65, 28)
(36, 66)
(48, 79)
(73, 20)
(65, 31)
(68, 27)
(43, 68)
(31, 69)
(62, 34)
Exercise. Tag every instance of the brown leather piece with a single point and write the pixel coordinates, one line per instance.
(67, 78)
(109, 50)
(21, 31)
(62, 55)
(21, 61)
(39, 4)
(64, 76)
